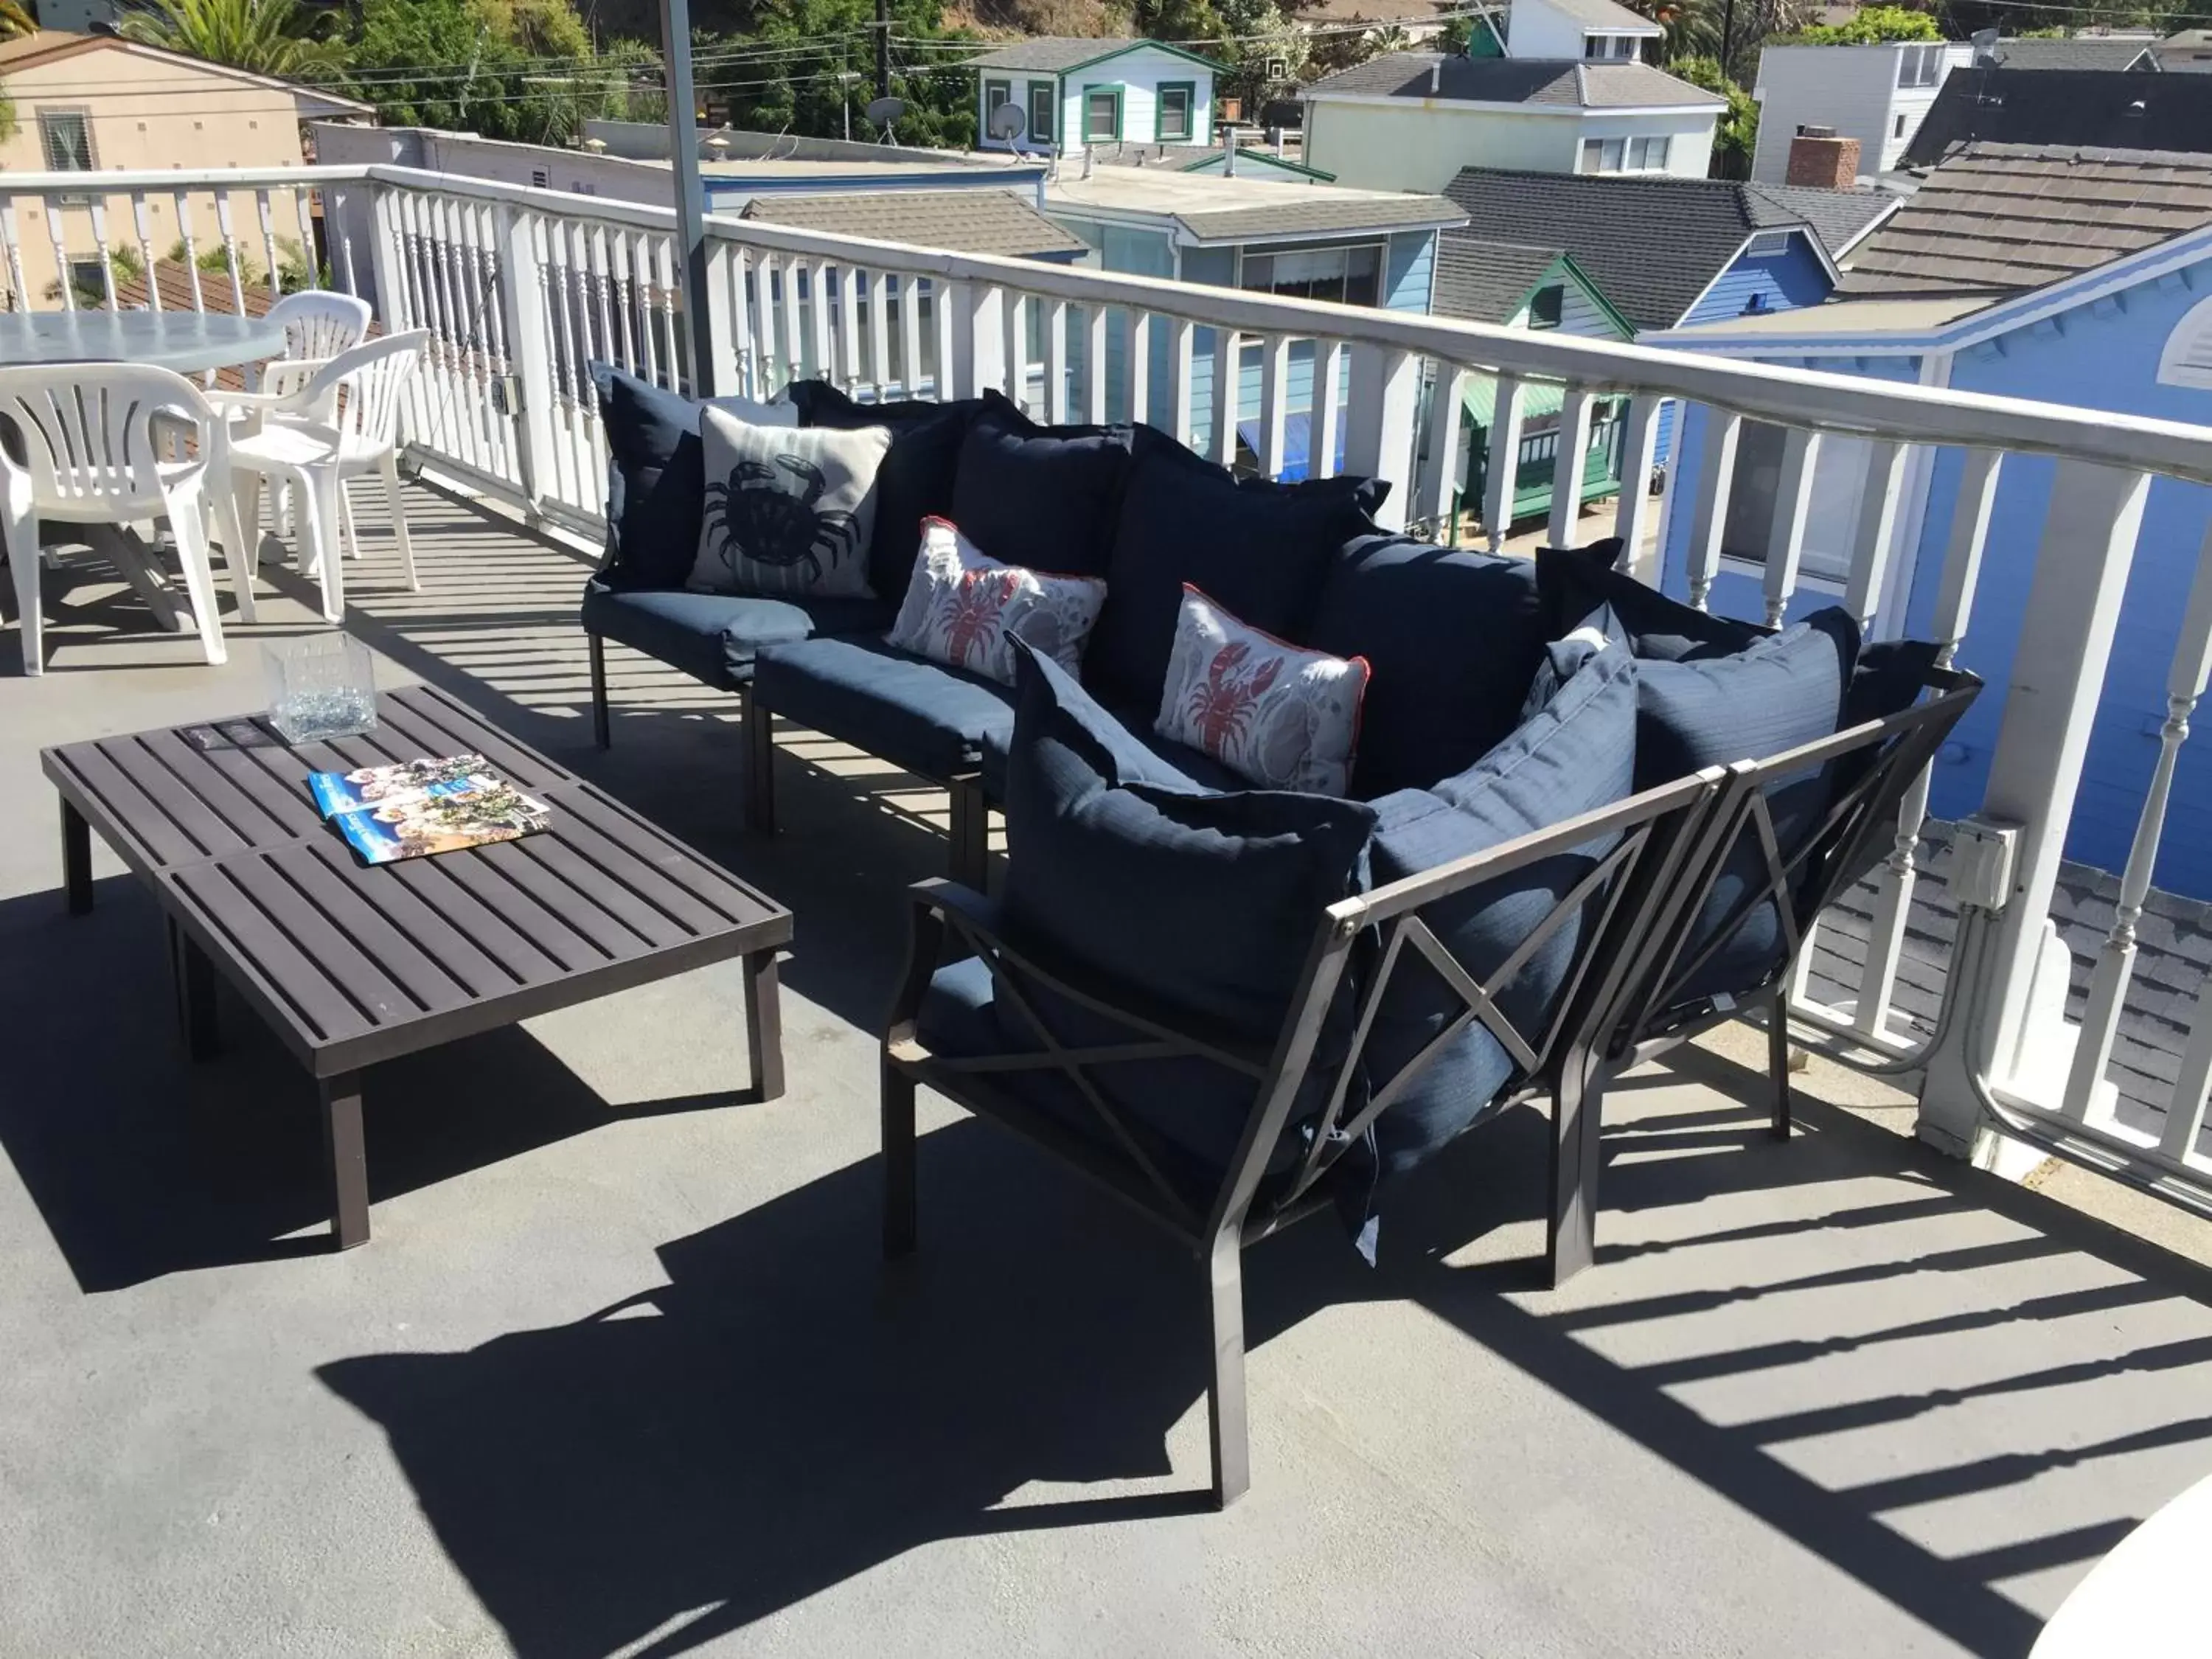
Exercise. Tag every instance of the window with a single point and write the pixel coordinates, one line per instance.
(1767, 244)
(89, 280)
(539, 177)
(65, 136)
(1920, 66)
(1176, 100)
(1626, 155)
(1102, 114)
(1897, 128)
(1619, 47)
(1042, 95)
(995, 92)
(1545, 305)
(1349, 275)
(1831, 523)
(2187, 358)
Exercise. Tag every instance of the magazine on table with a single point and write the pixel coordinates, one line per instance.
(441, 822)
(367, 787)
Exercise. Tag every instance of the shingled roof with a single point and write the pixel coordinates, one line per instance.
(957, 221)
(1486, 281)
(2009, 105)
(1557, 82)
(1057, 53)
(2082, 52)
(1998, 218)
(1651, 245)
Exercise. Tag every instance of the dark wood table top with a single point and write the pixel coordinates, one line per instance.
(352, 963)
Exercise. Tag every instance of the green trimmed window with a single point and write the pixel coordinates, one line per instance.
(1102, 115)
(1178, 111)
(1043, 95)
(995, 92)
(1546, 306)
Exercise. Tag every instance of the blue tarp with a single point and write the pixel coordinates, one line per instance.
(1297, 443)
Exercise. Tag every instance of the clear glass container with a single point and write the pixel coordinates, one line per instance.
(321, 686)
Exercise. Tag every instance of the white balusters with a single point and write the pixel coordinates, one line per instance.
(141, 223)
(851, 283)
(820, 304)
(1709, 519)
(1325, 424)
(1055, 360)
(879, 332)
(1137, 366)
(56, 232)
(19, 294)
(1572, 456)
(1096, 339)
(303, 214)
(268, 223)
(1503, 461)
(1274, 403)
(793, 320)
(664, 311)
(99, 209)
(190, 247)
(1793, 504)
(1438, 500)
(943, 303)
(1386, 394)
(1016, 344)
(1183, 334)
(229, 233)
(1639, 451)
(910, 338)
(1877, 528)
(1228, 393)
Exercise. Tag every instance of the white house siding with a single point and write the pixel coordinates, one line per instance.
(1139, 74)
(1852, 89)
(1537, 31)
(1421, 144)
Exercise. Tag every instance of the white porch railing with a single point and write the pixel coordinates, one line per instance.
(522, 288)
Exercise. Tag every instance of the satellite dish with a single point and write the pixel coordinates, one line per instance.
(1007, 122)
(886, 111)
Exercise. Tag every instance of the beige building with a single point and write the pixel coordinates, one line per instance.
(89, 103)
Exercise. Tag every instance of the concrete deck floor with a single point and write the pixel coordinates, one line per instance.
(619, 1373)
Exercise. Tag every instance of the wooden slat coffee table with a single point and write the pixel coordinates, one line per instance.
(352, 964)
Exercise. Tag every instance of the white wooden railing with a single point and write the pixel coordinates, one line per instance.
(522, 288)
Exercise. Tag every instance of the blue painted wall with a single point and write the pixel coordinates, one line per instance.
(2101, 355)
(1782, 282)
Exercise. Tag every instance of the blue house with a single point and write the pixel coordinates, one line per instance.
(1968, 289)
(1273, 234)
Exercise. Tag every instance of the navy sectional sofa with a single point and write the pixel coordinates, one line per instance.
(1584, 822)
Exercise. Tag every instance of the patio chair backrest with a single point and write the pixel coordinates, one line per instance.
(89, 443)
(321, 324)
(373, 378)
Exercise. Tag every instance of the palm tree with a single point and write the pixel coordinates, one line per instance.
(15, 20)
(268, 37)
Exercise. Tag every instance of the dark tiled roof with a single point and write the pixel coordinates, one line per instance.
(1999, 218)
(1840, 216)
(1650, 245)
(1556, 81)
(957, 221)
(1486, 281)
(2082, 52)
(2065, 107)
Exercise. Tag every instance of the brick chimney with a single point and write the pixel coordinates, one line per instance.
(1820, 159)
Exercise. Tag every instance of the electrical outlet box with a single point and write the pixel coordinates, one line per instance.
(506, 394)
(1983, 853)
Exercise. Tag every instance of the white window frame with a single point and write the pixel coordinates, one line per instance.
(1005, 88)
(1767, 244)
(1625, 153)
(2187, 357)
(1921, 65)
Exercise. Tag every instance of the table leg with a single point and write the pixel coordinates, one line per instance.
(764, 1024)
(196, 1011)
(341, 1139)
(77, 860)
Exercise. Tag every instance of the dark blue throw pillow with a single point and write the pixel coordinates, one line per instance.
(1259, 550)
(1452, 637)
(1573, 754)
(1204, 902)
(1043, 497)
(656, 485)
(916, 478)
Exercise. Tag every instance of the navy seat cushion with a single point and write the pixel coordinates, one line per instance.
(1453, 639)
(1575, 754)
(921, 716)
(916, 478)
(714, 637)
(1209, 901)
(1194, 765)
(1575, 581)
(656, 481)
(1257, 549)
(1043, 497)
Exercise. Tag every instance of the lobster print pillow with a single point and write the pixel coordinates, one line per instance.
(966, 608)
(1282, 716)
(789, 510)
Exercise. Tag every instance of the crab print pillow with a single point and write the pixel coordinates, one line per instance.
(966, 608)
(789, 510)
(1282, 716)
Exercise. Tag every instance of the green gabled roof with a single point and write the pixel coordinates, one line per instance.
(1263, 159)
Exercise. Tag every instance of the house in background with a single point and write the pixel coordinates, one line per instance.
(1598, 30)
(2113, 53)
(1968, 287)
(1074, 93)
(2190, 52)
(1542, 289)
(1416, 21)
(2073, 107)
(1876, 94)
(88, 103)
(1361, 247)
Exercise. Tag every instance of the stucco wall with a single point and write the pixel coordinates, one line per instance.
(1409, 144)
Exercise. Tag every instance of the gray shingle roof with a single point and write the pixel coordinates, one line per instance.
(1053, 52)
(1841, 217)
(2085, 53)
(1650, 245)
(1486, 281)
(1999, 218)
(1318, 211)
(1556, 81)
(2008, 106)
(957, 221)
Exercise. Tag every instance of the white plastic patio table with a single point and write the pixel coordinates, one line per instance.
(188, 341)
(2143, 1600)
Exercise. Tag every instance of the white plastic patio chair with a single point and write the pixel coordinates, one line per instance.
(93, 453)
(313, 440)
(318, 326)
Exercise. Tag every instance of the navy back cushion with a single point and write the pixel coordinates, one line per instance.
(1258, 549)
(1453, 639)
(656, 481)
(915, 480)
(1575, 581)
(1571, 755)
(1043, 497)
(1207, 901)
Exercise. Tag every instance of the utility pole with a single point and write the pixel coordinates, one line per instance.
(883, 48)
(1728, 41)
(690, 194)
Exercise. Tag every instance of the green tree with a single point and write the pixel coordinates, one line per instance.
(268, 37)
(789, 72)
(520, 70)
(1871, 26)
(1736, 134)
(15, 20)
